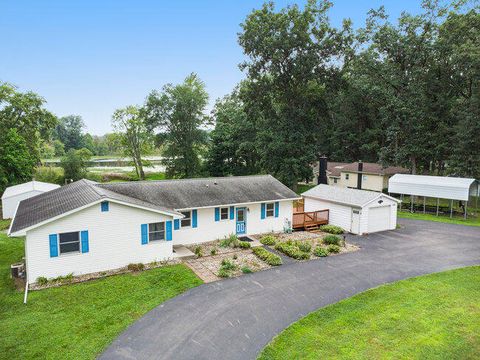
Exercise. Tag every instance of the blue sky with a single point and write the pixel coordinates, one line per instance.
(91, 57)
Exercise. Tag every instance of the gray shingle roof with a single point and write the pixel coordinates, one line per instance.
(165, 195)
(66, 198)
(342, 195)
(195, 193)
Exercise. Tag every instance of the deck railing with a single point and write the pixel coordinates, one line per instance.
(310, 218)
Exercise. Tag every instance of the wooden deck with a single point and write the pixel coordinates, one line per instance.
(309, 220)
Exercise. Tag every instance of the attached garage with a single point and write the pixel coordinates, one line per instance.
(356, 211)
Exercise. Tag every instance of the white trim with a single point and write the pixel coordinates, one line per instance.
(383, 195)
(332, 201)
(237, 204)
(23, 232)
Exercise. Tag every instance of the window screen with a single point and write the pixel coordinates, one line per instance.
(187, 220)
(224, 213)
(270, 209)
(156, 231)
(69, 242)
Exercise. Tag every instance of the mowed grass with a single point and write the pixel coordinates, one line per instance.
(429, 317)
(4, 223)
(78, 321)
(471, 221)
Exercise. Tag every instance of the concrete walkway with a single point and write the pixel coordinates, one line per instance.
(236, 318)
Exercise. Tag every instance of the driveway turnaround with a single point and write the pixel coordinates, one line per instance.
(236, 318)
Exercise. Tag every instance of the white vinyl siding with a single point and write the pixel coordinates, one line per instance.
(208, 229)
(114, 242)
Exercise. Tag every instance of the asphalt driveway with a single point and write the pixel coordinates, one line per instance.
(236, 318)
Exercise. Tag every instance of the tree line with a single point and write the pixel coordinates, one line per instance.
(402, 92)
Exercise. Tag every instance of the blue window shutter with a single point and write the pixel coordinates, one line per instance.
(168, 225)
(194, 218)
(263, 211)
(277, 208)
(176, 224)
(217, 214)
(53, 245)
(84, 239)
(144, 234)
(104, 206)
(232, 212)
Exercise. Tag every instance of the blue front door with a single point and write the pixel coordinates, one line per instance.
(241, 220)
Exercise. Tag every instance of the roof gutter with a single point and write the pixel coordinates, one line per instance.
(235, 204)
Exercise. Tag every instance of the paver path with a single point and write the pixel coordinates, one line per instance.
(236, 318)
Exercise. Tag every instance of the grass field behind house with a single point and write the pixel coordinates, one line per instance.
(78, 321)
(471, 220)
(429, 317)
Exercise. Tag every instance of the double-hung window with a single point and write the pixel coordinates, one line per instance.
(270, 209)
(224, 213)
(69, 242)
(156, 231)
(187, 220)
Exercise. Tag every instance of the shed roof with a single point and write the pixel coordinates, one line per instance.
(344, 195)
(28, 186)
(444, 187)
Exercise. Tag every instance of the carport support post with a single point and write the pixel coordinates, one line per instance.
(451, 208)
(424, 204)
(465, 215)
(411, 203)
(438, 203)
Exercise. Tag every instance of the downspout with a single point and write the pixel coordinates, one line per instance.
(26, 289)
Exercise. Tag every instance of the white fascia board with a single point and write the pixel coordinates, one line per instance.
(382, 195)
(236, 204)
(23, 232)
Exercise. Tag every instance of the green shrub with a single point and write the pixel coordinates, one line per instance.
(292, 251)
(49, 174)
(231, 240)
(332, 240)
(304, 246)
(246, 270)
(267, 256)
(228, 265)
(213, 251)
(244, 245)
(320, 252)
(136, 267)
(42, 280)
(198, 251)
(332, 229)
(333, 249)
(223, 273)
(268, 240)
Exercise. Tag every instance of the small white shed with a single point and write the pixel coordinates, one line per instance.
(14, 194)
(356, 211)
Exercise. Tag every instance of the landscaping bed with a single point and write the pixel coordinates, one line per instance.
(304, 245)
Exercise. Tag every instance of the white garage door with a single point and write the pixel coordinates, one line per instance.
(378, 218)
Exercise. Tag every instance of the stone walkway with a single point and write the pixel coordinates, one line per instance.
(202, 272)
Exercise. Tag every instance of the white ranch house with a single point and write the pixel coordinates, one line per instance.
(356, 211)
(86, 227)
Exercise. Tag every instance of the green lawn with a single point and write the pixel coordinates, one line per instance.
(429, 317)
(4, 224)
(301, 188)
(78, 321)
(472, 221)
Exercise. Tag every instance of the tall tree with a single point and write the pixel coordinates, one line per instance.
(177, 114)
(292, 55)
(70, 131)
(129, 124)
(26, 113)
(232, 148)
(74, 164)
(16, 161)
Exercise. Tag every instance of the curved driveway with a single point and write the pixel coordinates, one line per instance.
(236, 318)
